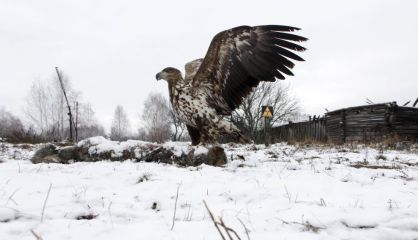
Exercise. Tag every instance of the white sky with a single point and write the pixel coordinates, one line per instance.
(111, 50)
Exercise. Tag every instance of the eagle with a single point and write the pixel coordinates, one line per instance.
(237, 60)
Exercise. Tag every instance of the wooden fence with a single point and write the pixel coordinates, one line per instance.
(314, 130)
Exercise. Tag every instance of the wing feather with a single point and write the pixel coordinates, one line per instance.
(191, 69)
(239, 58)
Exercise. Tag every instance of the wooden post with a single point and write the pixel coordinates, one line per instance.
(76, 121)
(68, 104)
(267, 130)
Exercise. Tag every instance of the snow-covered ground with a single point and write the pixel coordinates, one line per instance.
(279, 192)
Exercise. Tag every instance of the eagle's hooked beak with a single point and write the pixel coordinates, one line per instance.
(158, 76)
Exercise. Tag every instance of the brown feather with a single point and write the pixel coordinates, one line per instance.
(239, 58)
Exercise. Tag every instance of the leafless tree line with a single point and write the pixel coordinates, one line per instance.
(120, 125)
(160, 122)
(47, 114)
(12, 129)
(47, 117)
(47, 111)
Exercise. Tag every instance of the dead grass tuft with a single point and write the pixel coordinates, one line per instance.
(145, 177)
(362, 165)
(89, 216)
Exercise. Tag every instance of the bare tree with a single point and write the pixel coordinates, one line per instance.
(11, 127)
(179, 127)
(156, 118)
(248, 115)
(45, 107)
(120, 125)
(38, 103)
(142, 134)
(88, 125)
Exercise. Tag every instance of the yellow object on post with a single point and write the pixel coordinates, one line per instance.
(267, 111)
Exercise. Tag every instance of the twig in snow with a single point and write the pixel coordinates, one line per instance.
(11, 198)
(247, 232)
(227, 230)
(322, 202)
(175, 207)
(288, 195)
(221, 223)
(110, 213)
(46, 199)
(189, 214)
(308, 226)
(213, 220)
(36, 235)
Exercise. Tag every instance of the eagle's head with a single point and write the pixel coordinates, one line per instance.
(169, 74)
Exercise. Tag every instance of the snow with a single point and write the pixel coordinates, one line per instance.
(180, 148)
(277, 192)
(201, 150)
(100, 145)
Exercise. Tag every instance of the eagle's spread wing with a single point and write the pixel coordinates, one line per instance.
(239, 58)
(191, 68)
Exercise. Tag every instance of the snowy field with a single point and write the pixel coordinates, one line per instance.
(280, 192)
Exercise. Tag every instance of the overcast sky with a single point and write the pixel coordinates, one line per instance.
(111, 50)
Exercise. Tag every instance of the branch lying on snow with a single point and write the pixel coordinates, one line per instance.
(221, 223)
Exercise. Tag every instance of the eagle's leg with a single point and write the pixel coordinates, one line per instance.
(194, 134)
(239, 137)
(207, 136)
(223, 127)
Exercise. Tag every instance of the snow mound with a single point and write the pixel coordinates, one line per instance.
(99, 145)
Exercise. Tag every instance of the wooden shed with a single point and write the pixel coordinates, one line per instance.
(374, 122)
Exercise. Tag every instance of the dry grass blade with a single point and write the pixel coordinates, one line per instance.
(46, 199)
(36, 235)
(247, 232)
(213, 220)
(175, 207)
(221, 223)
(228, 229)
